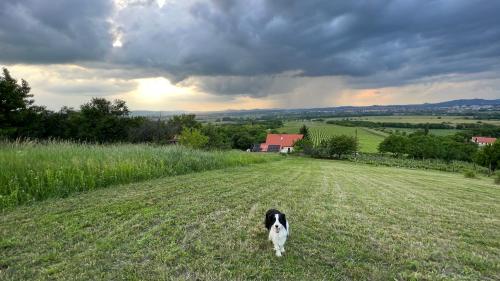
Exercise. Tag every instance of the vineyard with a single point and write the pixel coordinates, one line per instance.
(318, 131)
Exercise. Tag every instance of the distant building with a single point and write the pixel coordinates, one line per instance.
(482, 141)
(279, 143)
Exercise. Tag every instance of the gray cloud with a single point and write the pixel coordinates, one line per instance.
(56, 31)
(231, 46)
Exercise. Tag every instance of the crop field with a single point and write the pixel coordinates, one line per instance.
(368, 138)
(348, 222)
(420, 119)
(34, 171)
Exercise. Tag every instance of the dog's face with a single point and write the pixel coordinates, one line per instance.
(278, 223)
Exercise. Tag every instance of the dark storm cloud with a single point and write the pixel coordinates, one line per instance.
(55, 31)
(399, 41)
(371, 43)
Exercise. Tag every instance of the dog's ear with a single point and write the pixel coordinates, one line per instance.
(282, 220)
(268, 222)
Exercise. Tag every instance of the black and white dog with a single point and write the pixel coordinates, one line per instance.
(278, 228)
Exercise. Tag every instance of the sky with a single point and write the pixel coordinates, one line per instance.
(210, 55)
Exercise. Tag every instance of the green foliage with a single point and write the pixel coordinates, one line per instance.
(304, 131)
(217, 137)
(183, 121)
(489, 156)
(394, 143)
(336, 147)
(193, 138)
(426, 164)
(469, 174)
(15, 102)
(425, 146)
(304, 145)
(32, 171)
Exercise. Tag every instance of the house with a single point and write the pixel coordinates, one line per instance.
(279, 143)
(482, 141)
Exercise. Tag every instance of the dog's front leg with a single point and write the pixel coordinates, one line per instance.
(277, 249)
(282, 248)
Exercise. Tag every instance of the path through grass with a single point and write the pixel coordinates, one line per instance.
(348, 222)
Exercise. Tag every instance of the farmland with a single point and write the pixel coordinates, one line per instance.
(368, 138)
(415, 119)
(348, 222)
(437, 132)
(36, 171)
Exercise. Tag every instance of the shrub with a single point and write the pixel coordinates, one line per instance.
(193, 138)
(469, 174)
(336, 147)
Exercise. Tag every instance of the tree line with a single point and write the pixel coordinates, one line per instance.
(104, 121)
(453, 147)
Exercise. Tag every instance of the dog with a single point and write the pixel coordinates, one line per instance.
(278, 228)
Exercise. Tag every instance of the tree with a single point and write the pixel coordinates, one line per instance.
(180, 122)
(304, 131)
(103, 121)
(489, 156)
(336, 147)
(394, 143)
(217, 137)
(15, 99)
(193, 138)
(304, 145)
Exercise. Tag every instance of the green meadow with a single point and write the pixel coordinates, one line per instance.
(348, 222)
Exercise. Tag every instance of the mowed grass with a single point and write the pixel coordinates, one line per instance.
(420, 119)
(347, 221)
(368, 139)
(34, 171)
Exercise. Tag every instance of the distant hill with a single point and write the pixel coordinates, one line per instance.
(453, 105)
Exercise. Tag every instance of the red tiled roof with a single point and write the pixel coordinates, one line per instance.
(483, 140)
(282, 139)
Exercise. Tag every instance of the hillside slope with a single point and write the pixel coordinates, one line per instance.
(347, 221)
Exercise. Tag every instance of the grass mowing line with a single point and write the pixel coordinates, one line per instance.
(348, 221)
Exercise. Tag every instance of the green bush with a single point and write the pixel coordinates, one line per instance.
(469, 174)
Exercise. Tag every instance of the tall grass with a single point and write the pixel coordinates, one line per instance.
(32, 171)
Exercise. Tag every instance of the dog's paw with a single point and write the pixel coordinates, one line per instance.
(278, 253)
(282, 250)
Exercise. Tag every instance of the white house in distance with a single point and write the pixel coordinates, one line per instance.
(482, 141)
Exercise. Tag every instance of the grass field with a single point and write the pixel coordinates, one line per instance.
(420, 119)
(348, 222)
(34, 171)
(368, 138)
